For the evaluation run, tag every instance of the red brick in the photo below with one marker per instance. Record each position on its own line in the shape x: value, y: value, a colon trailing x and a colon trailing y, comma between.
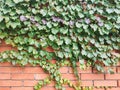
x: 92, y: 76
x: 4, y: 88
x: 40, y: 76
x: 10, y: 83
x: 47, y: 88
x: 64, y: 69
x: 117, y: 88
x: 69, y: 76
x: 33, y: 70
x: 118, y: 69
x: 68, y: 88
x: 16, y: 69
x: 22, y: 88
x: 5, y: 64
x: 87, y: 83
x: 11, y: 70
x: 4, y: 76
x: 22, y: 76
x: 112, y: 76
x: 119, y: 83
x: 30, y: 82
x: 5, y: 69
x: 81, y: 71
x: 98, y: 89
x: 105, y: 83
x: 6, y: 48
x: 49, y: 49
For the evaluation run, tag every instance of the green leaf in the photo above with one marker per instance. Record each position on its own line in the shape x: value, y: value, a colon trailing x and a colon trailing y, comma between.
x: 67, y: 40
x: 60, y: 54
x: 17, y: 1
x: 49, y: 25
x: 55, y: 31
x: 52, y: 38
x: 59, y: 42
x: 78, y: 25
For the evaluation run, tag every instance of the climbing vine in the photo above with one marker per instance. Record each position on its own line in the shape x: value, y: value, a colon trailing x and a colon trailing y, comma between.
x: 84, y: 31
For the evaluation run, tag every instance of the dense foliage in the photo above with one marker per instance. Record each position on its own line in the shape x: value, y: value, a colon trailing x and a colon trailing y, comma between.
x: 84, y: 31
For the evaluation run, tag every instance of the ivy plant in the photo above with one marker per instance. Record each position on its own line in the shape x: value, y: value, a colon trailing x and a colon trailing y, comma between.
x: 84, y: 31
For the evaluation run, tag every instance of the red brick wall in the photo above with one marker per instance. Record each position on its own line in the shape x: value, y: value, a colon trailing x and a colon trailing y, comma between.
x: 24, y: 78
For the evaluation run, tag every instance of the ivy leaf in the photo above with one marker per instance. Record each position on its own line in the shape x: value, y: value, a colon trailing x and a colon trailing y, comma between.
x: 10, y: 3
x: 67, y: 40
x: 17, y: 1
x: 52, y: 38
x: 60, y: 54
x: 109, y: 10
x: 1, y: 18
x: 55, y: 31
x: 64, y: 31
x: 78, y: 25
x: 83, y: 52
x: 43, y: 12
x: 49, y: 25
x: 59, y: 42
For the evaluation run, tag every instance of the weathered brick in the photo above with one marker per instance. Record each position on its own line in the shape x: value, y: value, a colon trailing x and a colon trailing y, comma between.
x: 22, y: 88
x: 117, y: 88
x: 10, y: 83
x: 5, y: 64
x: 40, y: 76
x: 47, y: 88
x: 4, y: 88
x: 98, y: 89
x: 22, y: 76
x: 33, y: 70
x: 30, y: 82
x: 119, y: 83
x: 87, y: 83
x: 92, y: 76
x: 112, y: 76
x: 6, y: 48
x: 105, y: 83
x: 118, y: 69
x: 69, y: 76
x: 64, y: 69
x: 4, y: 76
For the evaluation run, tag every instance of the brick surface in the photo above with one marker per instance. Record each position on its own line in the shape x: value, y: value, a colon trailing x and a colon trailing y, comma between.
x: 6, y: 48
x: 22, y: 88
x: 112, y: 76
x: 40, y: 76
x: 69, y: 76
x: 92, y: 76
x: 118, y: 69
x: 117, y: 88
x: 4, y: 76
x: 5, y: 88
x: 47, y: 88
x: 10, y: 83
x: 22, y: 76
x: 98, y: 89
x: 105, y: 83
x: 87, y: 83
x: 30, y: 82
x: 33, y: 70
x: 64, y: 69
x: 119, y: 83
